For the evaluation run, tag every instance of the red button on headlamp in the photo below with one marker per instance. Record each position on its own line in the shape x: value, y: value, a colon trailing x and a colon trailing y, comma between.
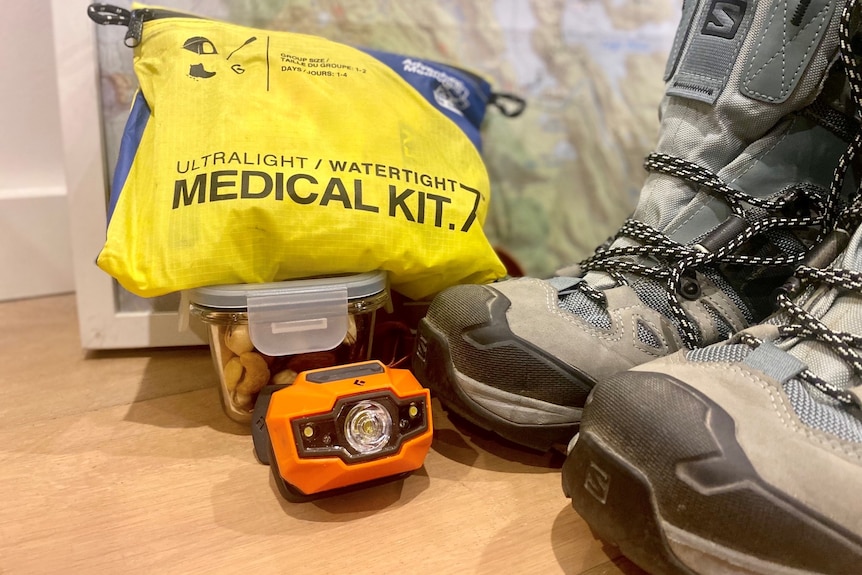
x: 342, y: 426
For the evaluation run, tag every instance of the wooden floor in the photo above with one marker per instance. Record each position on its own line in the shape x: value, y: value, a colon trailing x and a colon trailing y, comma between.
x: 122, y: 462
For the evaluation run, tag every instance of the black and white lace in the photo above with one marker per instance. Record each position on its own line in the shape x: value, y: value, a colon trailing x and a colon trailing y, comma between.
x: 659, y: 258
x: 802, y: 324
x: 799, y: 322
x: 676, y: 259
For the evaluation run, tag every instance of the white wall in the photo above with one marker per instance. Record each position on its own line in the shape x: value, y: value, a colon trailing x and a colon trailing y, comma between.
x: 35, y: 257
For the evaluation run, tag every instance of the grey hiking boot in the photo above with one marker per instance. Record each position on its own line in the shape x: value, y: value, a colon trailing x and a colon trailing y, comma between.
x: 740, y: 457
x: 743, y: 182
x: 743, y: 456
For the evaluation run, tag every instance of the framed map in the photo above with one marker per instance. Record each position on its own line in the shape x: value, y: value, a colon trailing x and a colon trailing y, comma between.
x: 563, y: 175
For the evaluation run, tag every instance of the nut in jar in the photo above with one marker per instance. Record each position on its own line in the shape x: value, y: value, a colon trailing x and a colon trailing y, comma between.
x: 243, y: 367
x: 245, y: 371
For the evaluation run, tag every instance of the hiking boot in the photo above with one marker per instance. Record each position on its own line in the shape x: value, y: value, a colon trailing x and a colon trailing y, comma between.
x: 740, y: 457
x: 743, y: 456
x: 753, y: 123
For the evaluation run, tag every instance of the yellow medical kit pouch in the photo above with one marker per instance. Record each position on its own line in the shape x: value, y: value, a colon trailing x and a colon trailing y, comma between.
x: 255, y: 156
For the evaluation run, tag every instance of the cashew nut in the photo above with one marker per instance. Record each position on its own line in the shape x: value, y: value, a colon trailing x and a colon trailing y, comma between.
x: 256, y: 373
x: 350, y: 337
x: 284, y: 377
x: 243, y: 401
x: 233, y: 370
x: 237, y: 339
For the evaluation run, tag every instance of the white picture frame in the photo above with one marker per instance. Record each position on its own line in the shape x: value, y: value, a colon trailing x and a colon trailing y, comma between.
x: 103, y: 322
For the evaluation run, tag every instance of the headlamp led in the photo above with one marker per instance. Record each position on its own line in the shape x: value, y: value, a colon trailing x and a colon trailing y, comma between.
x: 341, y: 426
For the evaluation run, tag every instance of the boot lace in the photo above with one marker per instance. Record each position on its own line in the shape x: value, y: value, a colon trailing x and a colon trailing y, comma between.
x: 802, y: 324
x: 679, y: 260
x: 799, y: 322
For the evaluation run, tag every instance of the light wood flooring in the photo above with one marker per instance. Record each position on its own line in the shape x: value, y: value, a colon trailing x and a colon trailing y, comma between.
x: 122, y: 462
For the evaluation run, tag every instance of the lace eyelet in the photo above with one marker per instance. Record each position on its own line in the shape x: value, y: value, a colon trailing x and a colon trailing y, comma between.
x: 689, y: 288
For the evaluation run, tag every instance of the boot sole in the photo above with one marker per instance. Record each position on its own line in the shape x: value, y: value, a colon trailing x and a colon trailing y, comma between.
x: 433, y: 367
x: 629, y: 523
x: 621, y: 500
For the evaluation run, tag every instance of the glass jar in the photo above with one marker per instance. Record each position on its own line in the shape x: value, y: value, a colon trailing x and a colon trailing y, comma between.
x: 268, y: 333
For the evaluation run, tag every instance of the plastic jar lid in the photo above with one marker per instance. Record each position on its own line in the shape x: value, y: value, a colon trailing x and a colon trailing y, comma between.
x: 296, y: 316
x: 234, y: 297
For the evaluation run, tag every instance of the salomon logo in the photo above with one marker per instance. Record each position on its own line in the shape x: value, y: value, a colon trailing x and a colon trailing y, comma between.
x: 724, y: 18
x: 421, y: 348
x: 597, y: 483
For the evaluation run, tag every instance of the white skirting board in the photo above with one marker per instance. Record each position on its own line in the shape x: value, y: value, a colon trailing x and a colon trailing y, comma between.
x: 35, y: 250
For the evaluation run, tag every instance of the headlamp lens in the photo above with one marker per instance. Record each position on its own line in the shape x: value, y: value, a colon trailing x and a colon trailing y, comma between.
x: 368, y: 427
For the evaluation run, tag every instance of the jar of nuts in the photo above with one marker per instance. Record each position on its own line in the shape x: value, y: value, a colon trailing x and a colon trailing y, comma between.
x: 268, y: 333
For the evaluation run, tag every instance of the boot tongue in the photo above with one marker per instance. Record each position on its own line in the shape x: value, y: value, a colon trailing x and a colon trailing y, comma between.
x: 736, y: 69
x: 728, y: 89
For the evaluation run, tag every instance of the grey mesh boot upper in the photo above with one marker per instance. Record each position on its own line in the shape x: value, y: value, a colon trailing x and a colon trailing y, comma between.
x: 742, y: 183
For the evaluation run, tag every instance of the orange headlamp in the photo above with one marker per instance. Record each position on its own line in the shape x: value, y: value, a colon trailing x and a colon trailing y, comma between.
x: 341, y: 426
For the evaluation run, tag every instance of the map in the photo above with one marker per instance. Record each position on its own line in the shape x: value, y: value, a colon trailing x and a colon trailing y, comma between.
x: 566, y: 172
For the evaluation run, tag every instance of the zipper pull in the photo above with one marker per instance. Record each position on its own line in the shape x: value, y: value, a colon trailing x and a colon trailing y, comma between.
x: 136, y: 27
x: 114, y: 15
x: 106, y: 14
